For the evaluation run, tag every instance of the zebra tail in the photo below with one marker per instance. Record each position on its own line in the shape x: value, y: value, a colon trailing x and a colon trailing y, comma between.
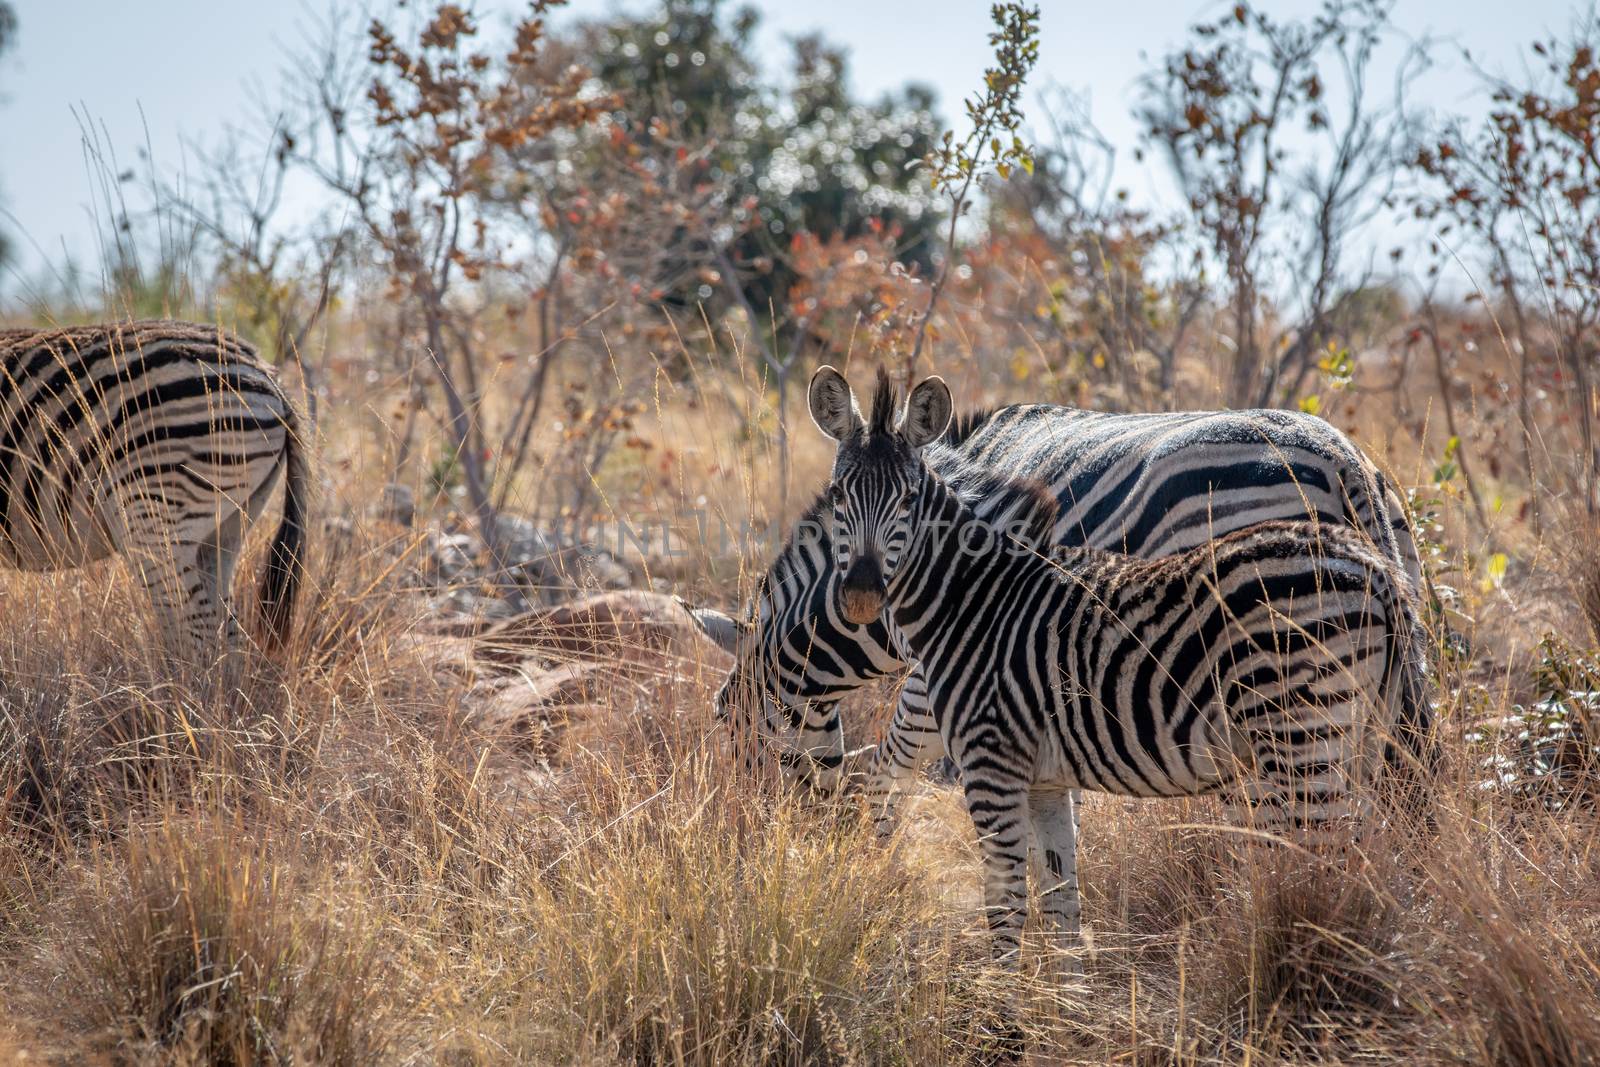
x: 1413, y: 755
x: 1416, y: 709
x: 280, y: 583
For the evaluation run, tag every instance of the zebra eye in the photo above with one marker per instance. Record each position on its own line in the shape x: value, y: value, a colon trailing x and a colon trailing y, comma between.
x: 908, y: 496
x: 836, y: 493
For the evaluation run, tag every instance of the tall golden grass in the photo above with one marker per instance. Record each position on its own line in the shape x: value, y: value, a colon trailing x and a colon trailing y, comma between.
x: 342, y: 861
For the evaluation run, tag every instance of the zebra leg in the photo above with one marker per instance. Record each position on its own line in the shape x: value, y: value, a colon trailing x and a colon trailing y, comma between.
x: 911, y: 743
x: 158, y: 574
x: 998, y: 806
x: 1302, y: 781
x: 819, y: 756
x: 213, y: 624
x: 1054, y: 815
x: 187, y: 575
x: 146, y: 539
x: 211, y: 603
x: 917, y: 707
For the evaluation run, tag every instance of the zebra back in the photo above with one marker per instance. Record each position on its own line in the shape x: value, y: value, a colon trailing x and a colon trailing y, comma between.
x: 1269, y: 647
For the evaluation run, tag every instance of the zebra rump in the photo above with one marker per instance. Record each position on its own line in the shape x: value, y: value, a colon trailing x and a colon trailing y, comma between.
x: 157, y: 441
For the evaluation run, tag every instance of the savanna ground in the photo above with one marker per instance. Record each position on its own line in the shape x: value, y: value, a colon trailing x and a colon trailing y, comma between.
x: 444, y: 827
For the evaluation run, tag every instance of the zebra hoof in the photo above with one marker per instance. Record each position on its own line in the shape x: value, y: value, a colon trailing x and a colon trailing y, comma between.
x: 943, y: 771
x: 1003, y: 1042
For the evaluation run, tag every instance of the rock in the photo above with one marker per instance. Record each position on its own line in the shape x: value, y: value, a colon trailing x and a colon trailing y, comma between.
x: 448, y: 558
x: 556, y: 561
x: 397, y: 504
x: 577, y: 682
x: 446, y: 657
x: 628, y: 627
x: 533, y: 707
x: 453, y: 569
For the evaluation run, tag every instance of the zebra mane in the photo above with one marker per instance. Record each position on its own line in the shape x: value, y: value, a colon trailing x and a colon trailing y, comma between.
x: 964, y: 425
x: 884, y: 402
x: 1012, y: 503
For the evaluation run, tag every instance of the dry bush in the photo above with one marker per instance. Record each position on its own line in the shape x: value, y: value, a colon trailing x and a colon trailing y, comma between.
x: 153, y: 824
x: 705, y: 930
x: 1520, y: 940
x: 1577, y: 540
x: 338, y: 860
x: 199, y: 941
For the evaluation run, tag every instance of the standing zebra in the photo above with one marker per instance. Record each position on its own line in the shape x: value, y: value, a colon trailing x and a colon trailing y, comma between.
x: 158, y: 441
x: 1277, y: 665
x: 1147, y: 485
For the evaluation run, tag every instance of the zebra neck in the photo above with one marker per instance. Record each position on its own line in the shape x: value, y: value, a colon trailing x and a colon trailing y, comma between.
x: 952, y: 553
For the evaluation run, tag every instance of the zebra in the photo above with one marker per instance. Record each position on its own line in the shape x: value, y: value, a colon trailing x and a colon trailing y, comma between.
x: 1279, y: 665
x: 157, y: 441
x: 1146, y: 484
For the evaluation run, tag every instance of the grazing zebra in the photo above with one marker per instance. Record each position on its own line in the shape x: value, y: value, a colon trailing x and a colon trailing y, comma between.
x: 158, y: 441
x: 1148, y: 485
x: 1277, y: 665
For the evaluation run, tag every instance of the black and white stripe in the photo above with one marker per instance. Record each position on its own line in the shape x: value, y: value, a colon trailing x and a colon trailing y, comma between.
x: 1148, y: 485
x: 157, y: 441
x: 1279, y: 665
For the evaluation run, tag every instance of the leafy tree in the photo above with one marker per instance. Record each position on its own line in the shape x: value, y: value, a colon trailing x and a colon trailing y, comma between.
x: 413, y: 163
x: 1123, y: 286
x: 803, y: 157
x: 992, y: 141
x: 1281, y: 153
x: 1524, y: 188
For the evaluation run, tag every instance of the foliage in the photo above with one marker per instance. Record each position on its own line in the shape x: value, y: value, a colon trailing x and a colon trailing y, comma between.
x: 799, y: 156
x: 1522, y: 187
x: 1550, y: 748
x: 1226, y: 111
x: 995, y: 115
x: 1104, y: 295
x: 992, y: 142
x: 415, y: 165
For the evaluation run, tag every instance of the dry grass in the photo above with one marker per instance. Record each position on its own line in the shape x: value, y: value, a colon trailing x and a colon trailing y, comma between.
x: 340, y: 862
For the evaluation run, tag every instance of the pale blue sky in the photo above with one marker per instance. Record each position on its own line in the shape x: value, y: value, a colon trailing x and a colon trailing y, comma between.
x: 177, y: 69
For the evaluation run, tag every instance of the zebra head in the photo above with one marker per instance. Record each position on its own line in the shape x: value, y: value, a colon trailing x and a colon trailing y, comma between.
x: 877, y: 474
x: 804, y: 737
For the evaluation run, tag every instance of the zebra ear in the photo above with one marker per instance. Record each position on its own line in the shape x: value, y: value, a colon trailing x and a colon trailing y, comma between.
x: 724, y: 630
x: 833, y: 405
x: 927, y: 412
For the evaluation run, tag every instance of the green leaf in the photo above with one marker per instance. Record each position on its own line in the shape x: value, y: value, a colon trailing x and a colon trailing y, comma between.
x: 1311, y: 405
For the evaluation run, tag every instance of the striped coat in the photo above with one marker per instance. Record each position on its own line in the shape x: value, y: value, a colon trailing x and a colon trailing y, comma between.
x: 1280, y: 665
x: 157, y: 441
x: 1148, y: 485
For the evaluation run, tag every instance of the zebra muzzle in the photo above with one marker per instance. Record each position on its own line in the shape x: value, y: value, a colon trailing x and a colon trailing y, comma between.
x: 862, y: 591
x: 861, y: 605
